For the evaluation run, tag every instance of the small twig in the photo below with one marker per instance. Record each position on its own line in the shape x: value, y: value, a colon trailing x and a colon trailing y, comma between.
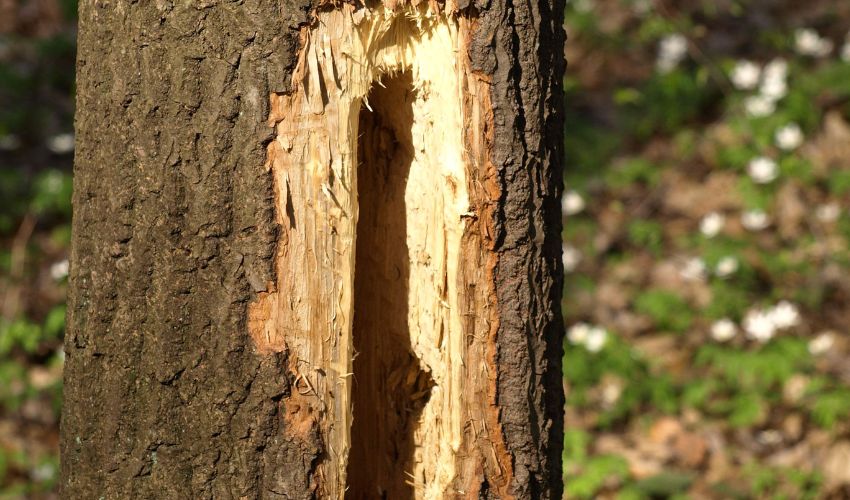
x: 18, y: 257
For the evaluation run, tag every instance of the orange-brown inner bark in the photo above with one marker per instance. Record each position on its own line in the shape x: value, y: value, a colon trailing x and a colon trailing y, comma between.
x: 390, y: 386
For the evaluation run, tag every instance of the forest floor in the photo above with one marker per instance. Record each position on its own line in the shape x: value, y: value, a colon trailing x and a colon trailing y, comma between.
x: 707, y: 220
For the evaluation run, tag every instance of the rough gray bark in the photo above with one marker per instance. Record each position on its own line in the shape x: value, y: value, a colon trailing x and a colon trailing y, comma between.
x: 174, y: 234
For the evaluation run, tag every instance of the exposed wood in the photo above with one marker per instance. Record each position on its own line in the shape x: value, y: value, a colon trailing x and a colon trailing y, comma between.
x: 423, y: 147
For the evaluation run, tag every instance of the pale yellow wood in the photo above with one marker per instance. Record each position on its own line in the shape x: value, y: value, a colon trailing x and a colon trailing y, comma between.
x: 309, y: 311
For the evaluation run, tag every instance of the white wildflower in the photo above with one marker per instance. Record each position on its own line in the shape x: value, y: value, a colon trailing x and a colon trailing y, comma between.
x: 776, y: 70
x: 762, y: 170
x: 770, y: 437
x: 759, y: 325
x: 9, y: 142
x: 571, y: 257
x: 571, y: 203
x: 774, y: 85
x: 762, y: 324
x: 822, y: 343
x: 61, y: 144
x: 52, y: 181
x: 596, y: 338
x: 828, y: 212
x: 592, y: 337
x: 723, y: 330
x: 809, y: 43
x: 726, y: 266
x: 693, y: 269
x: 611, y: 393
x: 59, y: 270
x: 671, y: 51
x: 789, y: 137
x: 784, y: 315
x: 755, y: 220
x: 773, y: 89
x: 746, y: 75
x: 845, y: 50
x: 758, y: 106
x: 42, y: 473
x: 577, y: 334
x: 711, y: 225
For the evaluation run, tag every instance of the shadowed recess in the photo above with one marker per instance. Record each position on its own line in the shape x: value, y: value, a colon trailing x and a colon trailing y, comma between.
x: 390, y: 387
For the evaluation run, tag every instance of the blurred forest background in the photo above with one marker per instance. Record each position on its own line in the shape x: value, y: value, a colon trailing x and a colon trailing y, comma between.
x: 706, y: 246
x: 37, y: 51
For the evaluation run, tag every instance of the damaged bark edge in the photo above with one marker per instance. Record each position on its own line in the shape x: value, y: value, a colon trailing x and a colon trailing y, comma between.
x: 343, y: 53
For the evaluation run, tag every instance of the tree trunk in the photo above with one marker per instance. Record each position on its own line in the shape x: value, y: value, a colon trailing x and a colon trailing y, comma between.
x: 316, y: 251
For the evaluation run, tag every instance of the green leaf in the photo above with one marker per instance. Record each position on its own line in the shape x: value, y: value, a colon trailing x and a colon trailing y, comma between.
x: 665, y: 484
x: 54, y: 323
x: 668, y: 310
x: 831, y: 407
x: 647, y: 234
x: 747, y: 409
x: 595, y: 474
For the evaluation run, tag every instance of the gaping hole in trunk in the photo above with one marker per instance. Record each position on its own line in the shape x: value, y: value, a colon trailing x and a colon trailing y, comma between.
x: 390, y: 386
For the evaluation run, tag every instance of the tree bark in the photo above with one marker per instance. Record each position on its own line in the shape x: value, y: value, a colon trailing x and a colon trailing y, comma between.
x: 269, y: 241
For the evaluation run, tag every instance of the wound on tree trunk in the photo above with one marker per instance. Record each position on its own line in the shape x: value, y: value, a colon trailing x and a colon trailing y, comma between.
x: 381, y: 169
x: 363, y: 303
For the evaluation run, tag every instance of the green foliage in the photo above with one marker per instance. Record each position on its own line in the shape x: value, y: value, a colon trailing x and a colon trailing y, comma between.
x: 47, y: 195
x: 29, y: 336
x: 728, y: 300
x: 592, y: 148
x: 647, y: 234
x: 668, y: 310
x: 760, y: 369
x: 631, y: 139
x: 12, y: 384
x: 585, y: 370
x: 586, y: 475
x: 839, y: 182
x: 69, y: 9
x: 667, y: 103
x: 51, y: 193
x: 43, y: 469
x: 830, y: 407
x: 698, y: 393
x: 794, y: 167
x: 594, y: 474
x: 746, y: 409
x: 19, y: 333
x: 630, y: 172
x: 664, y: 485
x: 735, y: 157
x: 54, y: 323
x: 782, y: 482
x: 13, y: 193
x: 745, y: 382
x: 763, y: 479
x: 754, y: 196
x: 575, y: 446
